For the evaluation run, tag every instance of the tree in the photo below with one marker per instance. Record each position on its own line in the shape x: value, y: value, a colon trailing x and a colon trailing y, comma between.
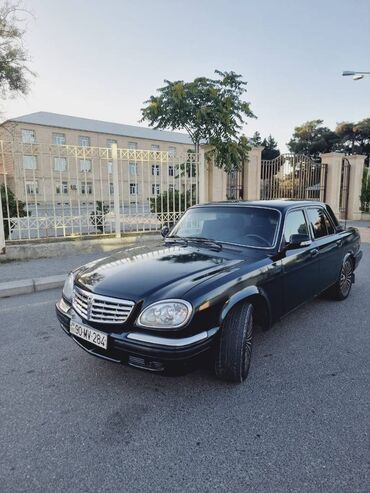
x: 170, y: 201
x: 15, y: 207
x: 312, y: 138
x: 209, y: 110
x: 365, y: 191
x: 256, y: 139
x: 14, y: 71
x: 270, y: 150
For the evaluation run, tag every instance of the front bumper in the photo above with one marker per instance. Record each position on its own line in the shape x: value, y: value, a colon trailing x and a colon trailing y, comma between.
x: 142, y: 350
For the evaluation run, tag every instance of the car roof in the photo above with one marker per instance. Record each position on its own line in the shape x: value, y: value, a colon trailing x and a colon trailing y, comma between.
x: 282, y: 204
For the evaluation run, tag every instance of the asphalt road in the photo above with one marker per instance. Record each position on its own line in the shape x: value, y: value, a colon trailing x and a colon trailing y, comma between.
x: 70, y: 422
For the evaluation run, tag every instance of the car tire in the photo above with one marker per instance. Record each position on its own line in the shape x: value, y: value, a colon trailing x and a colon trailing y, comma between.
x: 235, y: 348
x: 341, y: 289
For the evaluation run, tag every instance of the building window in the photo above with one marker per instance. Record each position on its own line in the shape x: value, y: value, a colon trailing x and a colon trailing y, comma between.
x: 172, y: 151
x: 28, y: 136
x: 171, y: 188
x: 170, y: 170
x: 29, y: 162
x: 84, y: 141
x: 156, y: 189
x: 154, y: 147
x: 133, y: 169
x: 111, y: 188
x: 32, y: 188
x: 59, y: 139
x: 85, y: 165
x: 132, y: 146
x: 133, y: 188
x: 62, y: 187
x: 60, y: 164
x: 86, y: 188
x: 155, y: 169
x: 110, y: 142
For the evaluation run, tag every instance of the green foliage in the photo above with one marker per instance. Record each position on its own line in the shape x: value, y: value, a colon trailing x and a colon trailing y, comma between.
x: 354, y: 137
x: 209, y: 110
x: 16, y: 208
x: 270, y: 150
x: 312, y: 138
x: 170, y: 201
x: 365, y: 191
x: 256, y: 139
x: 97, y: 217
x: 14, y: 72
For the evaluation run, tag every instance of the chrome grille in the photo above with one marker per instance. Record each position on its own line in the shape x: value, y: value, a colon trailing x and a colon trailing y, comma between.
x: 97, y: 308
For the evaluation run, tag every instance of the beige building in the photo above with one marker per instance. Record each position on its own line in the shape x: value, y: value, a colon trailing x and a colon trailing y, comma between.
x: 57, y: 158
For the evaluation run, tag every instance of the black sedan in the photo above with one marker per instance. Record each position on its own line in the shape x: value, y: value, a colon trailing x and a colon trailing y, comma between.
x: 224, y: 268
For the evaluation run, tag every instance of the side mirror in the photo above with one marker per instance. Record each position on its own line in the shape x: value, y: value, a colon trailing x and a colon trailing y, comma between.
x: 297, y: 241
x: 164, y: 231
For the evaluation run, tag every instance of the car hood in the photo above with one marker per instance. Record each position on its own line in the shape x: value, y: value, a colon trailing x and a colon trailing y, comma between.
x: 167, y: 271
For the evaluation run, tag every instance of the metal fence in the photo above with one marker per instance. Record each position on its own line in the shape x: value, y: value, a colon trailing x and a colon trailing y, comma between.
x: 293, y: 176
x: 52, y: 190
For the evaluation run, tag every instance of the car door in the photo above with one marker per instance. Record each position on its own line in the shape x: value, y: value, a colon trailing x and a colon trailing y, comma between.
x: 300, y: 266
x: 329, y: 245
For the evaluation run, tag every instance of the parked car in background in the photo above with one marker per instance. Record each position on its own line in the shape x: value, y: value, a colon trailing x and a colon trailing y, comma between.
x: 223, y: 269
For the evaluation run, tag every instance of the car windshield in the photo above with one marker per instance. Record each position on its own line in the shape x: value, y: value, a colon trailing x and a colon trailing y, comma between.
x: 248, y: 226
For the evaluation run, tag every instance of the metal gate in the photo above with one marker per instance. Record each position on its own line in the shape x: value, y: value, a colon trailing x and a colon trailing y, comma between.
x: 293, y: 176
x: 344, y: 188
x: 234, y: 184
x: 49, y: 190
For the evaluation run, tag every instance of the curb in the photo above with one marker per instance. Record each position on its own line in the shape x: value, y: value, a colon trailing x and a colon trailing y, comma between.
x: 27, y: 286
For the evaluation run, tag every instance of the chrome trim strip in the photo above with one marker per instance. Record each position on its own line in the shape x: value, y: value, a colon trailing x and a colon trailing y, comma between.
x: 166, y: 341
x: 63, y: 306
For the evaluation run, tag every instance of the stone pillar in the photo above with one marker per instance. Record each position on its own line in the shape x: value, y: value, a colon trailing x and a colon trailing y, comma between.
x: 333, y: 179
x: 252, y: 174
x: 217, y: 180
x: 357, y: 163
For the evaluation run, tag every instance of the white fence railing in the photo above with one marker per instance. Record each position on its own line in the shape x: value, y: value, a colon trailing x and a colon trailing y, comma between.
x: 62, y: 190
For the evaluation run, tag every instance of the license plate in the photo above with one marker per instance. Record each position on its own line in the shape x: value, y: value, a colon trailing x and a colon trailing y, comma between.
x: 88, y: 334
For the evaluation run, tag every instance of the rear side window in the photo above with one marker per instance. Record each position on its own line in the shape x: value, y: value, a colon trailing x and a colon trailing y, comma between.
x: 320, y: 223
x: 295, y: 224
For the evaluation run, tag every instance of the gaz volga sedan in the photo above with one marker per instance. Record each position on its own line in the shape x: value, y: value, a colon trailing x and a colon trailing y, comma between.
x: 223, y: 269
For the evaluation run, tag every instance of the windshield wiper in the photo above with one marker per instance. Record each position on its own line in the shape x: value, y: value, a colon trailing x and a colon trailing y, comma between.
x: 176, y: 239
x: 206, y: 241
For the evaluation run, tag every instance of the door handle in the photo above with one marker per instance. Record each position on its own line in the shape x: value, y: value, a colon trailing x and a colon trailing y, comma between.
x: 339, y: 243
x: 314, y: 252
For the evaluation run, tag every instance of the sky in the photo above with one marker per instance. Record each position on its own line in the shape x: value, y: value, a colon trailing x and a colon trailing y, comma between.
x: 102, y: 59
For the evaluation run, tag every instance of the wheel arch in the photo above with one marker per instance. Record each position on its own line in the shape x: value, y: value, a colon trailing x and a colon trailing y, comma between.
x: 260, y: 302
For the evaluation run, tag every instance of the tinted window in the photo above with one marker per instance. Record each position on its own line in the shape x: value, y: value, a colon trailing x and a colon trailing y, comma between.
x: 320, y: 223
x: 295, y: 224
x: 249, y: 226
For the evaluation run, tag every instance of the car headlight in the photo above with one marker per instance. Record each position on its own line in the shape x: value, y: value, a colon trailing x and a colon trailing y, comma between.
x: 165, y: 314
x: 68, y: 287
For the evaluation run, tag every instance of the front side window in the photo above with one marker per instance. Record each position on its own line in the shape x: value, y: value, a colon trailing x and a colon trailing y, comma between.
x: 60, y: 164
x: 28, y: 136
x: 320, y: 223
x: 248, y: 226
x: 29, y: 162
x: 85, y: 165
x: 295, y: 224
x: 58, y: 138
x: 84, y: 141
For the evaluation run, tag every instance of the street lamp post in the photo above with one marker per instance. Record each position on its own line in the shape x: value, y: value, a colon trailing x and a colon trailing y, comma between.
x: 356, y: 75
